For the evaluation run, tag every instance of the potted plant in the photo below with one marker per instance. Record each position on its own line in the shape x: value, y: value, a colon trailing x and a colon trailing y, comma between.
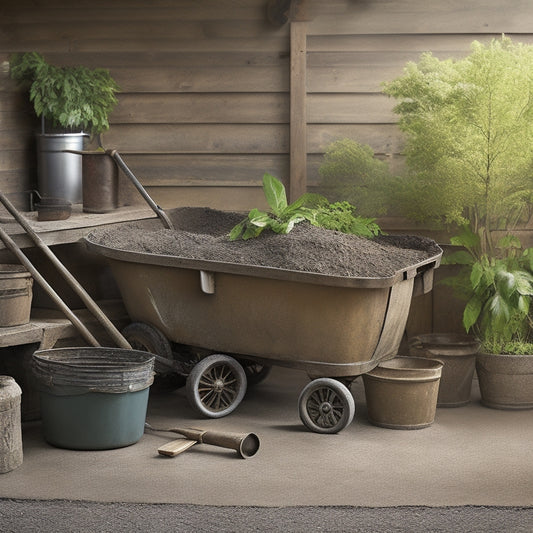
x: 73, y: 103
x: 469, y: 126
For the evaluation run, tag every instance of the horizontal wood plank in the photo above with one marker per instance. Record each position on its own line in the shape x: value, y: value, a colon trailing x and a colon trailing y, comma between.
x: 242, y: 58
x: 224, y: 198
x: 421, y: 16
x: 350, y: 108
x: 218, y: 79
x: 80, y: 29
x: 244, y: 138
x: 160, y: 43
x: 205, y: 170
x: 199, y: 138
x: 205, y: 108
x: 454, y: 43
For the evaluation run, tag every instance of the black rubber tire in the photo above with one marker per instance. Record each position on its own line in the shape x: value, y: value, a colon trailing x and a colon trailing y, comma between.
x: 216, y: 385
x: 148, y: 338
x: 326, y: 406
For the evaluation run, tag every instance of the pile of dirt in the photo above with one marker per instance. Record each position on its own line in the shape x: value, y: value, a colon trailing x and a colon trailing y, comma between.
x: 202, y: 233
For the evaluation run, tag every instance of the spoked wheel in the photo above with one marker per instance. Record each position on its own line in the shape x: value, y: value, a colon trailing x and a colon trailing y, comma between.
x: 145, y: 337
x: 216, y: 385
x: 326, y: 406
x: 255, y: 372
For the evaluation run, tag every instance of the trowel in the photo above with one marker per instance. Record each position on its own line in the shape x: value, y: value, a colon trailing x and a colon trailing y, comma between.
x: 245, y: 444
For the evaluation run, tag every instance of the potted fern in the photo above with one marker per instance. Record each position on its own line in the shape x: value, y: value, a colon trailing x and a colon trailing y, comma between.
x: 469, y: 151
x: 73, y: 104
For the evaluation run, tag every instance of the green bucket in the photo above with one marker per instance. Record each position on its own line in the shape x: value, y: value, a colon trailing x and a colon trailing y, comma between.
x: 93, y: 398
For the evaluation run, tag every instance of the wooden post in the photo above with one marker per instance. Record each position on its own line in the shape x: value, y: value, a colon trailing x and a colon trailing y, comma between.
x: 298, y: 116
x: 279, y: 12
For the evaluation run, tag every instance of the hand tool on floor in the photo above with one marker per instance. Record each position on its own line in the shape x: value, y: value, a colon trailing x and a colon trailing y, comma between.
x: 245, y: 444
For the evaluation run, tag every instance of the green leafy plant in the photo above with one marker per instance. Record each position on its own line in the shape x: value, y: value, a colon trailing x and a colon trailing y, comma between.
x: 340, y: 216
x: 72, y: 98
x: 499, y: 289
x: 311, y: 207
x: 469, y: 126
x: 351, y: 172
x: 469, y: 153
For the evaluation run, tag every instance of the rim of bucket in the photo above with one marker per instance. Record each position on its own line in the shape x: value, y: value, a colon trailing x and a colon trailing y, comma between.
x: 11, y: 271
x: 94, y: 368
x: 424, y: 369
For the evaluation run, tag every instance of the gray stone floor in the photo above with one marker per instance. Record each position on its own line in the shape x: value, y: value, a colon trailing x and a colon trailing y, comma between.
x: 471, y: 455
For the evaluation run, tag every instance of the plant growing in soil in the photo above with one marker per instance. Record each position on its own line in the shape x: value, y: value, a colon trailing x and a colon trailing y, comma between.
x: 311, y: 207
x: 469, y: 126
x: 500, y: 290
x: 72, y: 98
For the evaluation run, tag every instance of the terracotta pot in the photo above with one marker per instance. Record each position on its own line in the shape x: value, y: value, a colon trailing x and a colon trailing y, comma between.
x: 100, y: 182
x: 402, y: 393
x: 505, y: 381
x: 457, y: 352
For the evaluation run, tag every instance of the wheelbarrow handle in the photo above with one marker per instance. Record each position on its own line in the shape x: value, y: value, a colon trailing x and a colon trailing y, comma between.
x: 76, y: 322
x: 157, y: 210
x: 93, y: 307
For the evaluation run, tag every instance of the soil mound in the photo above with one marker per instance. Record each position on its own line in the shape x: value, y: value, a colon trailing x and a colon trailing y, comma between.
x: 202, y: 233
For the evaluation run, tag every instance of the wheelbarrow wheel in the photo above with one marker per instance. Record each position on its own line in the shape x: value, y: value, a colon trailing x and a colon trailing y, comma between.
x: 326, y: 406
x: 216, y: 385
x: 145, y: 337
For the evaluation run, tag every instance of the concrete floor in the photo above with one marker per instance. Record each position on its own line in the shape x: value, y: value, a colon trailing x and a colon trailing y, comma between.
x: 471, y: 455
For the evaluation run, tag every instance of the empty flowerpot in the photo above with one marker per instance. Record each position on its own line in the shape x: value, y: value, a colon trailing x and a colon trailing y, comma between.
x: 402, y: 393
x: 457, y: 352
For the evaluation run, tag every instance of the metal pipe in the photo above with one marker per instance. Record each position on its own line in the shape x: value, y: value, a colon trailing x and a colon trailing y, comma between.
x: 71, y: 280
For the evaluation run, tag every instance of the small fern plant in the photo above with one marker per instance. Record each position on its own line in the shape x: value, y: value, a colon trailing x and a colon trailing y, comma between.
x: 71, y: 98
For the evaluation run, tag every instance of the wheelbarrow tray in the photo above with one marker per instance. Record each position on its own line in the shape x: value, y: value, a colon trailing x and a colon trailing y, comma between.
x: 327, y: 326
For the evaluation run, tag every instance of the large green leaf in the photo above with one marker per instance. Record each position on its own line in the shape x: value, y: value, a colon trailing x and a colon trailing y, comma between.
x: 524, y: 283
x: 275, y: 194
x: 476, y: 275
x: 471, y: 312
x: 258, y: 218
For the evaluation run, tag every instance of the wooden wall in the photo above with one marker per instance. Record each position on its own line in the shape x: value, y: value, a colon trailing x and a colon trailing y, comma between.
x: 204, y: 107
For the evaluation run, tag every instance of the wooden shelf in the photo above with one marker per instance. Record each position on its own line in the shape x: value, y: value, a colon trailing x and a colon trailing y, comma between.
x: 77, y: 226
x: 47, y: 326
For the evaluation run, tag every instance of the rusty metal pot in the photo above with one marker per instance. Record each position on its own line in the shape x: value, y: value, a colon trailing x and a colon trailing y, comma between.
x: 402, y: 393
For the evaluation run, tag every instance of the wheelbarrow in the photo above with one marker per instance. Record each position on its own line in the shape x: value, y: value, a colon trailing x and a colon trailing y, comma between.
x: 334, y: 328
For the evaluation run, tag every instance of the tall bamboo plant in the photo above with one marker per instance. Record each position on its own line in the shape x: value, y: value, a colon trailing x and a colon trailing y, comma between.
x: 469, y: 151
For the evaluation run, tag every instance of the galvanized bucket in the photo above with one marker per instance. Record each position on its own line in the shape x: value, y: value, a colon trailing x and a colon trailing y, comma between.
x: 60, y: 172
x: 15, y: 295
x: 93, y: 398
